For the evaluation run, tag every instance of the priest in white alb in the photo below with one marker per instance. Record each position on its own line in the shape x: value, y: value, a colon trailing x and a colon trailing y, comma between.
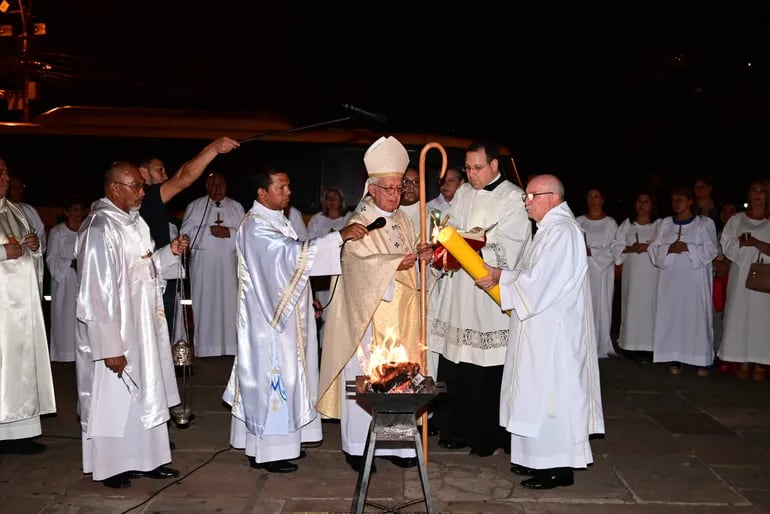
x: 273, y: 385
x: 551, y: 397
x: 210, y: 222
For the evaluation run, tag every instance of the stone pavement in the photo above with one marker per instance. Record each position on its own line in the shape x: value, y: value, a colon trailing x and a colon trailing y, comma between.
x: 673, y: 445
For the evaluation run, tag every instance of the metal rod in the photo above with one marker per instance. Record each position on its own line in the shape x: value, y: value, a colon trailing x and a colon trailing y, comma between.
x: 424, y: 279
x: 295, y: 129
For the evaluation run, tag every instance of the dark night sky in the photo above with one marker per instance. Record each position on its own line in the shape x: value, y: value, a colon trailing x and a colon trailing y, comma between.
x: 612, y: 91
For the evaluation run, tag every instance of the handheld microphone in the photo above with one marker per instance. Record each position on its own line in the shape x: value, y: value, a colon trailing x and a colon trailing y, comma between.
x: 379, y: 118
x: 378, y: 223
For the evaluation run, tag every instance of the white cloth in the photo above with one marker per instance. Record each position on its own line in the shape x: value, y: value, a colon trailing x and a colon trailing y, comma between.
x: 298, y: 224
x: 551, y: 396
x: 413, y: 211
x: 601, y: 275
x: 213, y: 274
x: 36, y: 223
x: 638, y: 286
x: 26, y: 384
x: 320, y: 224
x: 439, y: 204
x: 464, y: 323
x: 120, y: 312
x: 684, y: 330
x: 64, y: 291
x: 276, y: 331
x: 747, y: 312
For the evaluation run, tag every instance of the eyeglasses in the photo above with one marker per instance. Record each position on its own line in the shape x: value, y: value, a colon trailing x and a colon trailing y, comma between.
x: 136, y: 187
x: 391, y: 190
x: 476, y: 168
x: 531, y: 196
x: 410, y: 183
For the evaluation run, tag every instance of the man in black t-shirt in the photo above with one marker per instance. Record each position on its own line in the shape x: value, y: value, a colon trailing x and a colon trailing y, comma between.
x: 161, y: 189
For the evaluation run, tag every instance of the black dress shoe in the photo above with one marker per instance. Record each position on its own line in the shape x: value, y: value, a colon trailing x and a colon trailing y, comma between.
x: 119, y: 481
x: 274, y: 466
x: 523, y: 470
x: 21, y: 447
x: 452, y: 444
x: 311, y: 444
x: 483, y: 452
x: 402, y: 462
x: 161, y: 472
x: 550, y: 478
x: 302, y: 455
x: 356, y: 462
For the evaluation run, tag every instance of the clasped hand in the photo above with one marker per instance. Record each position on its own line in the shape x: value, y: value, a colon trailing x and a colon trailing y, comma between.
x: 491, y: 280
x: 180, y: 244
x: 424, y: 253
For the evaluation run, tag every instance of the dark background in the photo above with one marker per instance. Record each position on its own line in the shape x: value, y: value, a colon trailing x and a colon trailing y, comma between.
x: 610, y: 95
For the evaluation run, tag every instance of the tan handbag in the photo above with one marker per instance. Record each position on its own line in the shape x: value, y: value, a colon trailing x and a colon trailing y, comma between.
x: 758, y: 278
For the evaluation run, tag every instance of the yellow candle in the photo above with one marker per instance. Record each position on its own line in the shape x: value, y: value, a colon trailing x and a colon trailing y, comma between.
x: 468, y: 259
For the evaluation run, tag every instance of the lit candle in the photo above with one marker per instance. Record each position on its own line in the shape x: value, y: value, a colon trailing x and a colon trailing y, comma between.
x: 467, y: 257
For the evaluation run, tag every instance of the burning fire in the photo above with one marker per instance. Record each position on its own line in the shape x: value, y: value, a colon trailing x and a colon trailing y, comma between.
x: 381, y: 353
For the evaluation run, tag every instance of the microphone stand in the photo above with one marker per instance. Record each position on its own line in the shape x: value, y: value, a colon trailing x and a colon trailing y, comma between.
x: 295, y: 129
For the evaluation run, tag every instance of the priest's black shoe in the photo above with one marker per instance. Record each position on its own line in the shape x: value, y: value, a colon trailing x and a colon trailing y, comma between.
x: 302, y: 455
x: 119, y: 481
x: 274, y: 466
x: 452, y: 444
x: 161, y: 472
x: 21, y: 447
x: 550, y: 478
x: 311, y: 444
x: 402, y: 462
x: 523, y: 470
x: 356, y: 462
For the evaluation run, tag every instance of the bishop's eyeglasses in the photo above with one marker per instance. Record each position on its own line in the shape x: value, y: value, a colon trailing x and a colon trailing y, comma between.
x: 531, y: 196
x: 391, y: 190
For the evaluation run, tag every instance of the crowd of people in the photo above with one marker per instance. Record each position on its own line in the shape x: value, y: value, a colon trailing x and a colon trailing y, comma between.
x: 306, y: 308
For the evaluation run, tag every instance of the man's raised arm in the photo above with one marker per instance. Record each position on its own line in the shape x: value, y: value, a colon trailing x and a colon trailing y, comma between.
x: 194, y: 168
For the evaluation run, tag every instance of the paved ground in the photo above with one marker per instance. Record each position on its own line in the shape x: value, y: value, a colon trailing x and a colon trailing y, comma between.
x: 673, y: 445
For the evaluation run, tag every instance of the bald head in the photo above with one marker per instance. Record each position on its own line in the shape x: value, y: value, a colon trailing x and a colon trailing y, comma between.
x: 124, y: 186
x: 547, y: 192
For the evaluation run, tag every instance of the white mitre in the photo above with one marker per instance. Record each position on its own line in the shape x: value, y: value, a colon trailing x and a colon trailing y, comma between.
x: 386, y: 156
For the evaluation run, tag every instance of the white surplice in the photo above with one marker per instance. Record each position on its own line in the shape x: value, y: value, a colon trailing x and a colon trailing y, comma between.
x: 746, y: 335
x: 551, y: 395
x: 684, y: 330
x: 213, y: 274
x: 120, y: 312
x: 639, y: 286
x: 601, y: 275
x: 64, y: 291
x: 298, y: 224
x: 276, y: 331
x: 464, y: 323
x: 26, y: 384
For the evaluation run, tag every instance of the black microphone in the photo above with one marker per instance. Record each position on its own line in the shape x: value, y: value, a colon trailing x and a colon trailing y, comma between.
x: 378, y: 223
x: 379, y: 118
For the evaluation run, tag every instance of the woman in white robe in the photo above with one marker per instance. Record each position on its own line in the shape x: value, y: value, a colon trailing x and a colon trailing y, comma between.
x: 639, y: 282
x: 746, y: 238
x: 599, y: 229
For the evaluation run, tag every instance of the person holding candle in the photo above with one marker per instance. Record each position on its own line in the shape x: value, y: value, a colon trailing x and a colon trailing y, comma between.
x: 25, y: 372
x: 465, y: 325
x: 551, y: 396
x: 683, y: 249
x: 211, y: 221
x: 374, y: 302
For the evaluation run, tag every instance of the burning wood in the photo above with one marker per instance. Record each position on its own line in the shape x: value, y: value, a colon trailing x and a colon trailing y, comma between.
x: 398, y: 377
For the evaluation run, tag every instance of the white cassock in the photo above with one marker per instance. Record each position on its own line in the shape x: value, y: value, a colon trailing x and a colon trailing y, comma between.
x: 439, y: 204
x: 747, y: 313
x: 320, y: 225
x: 684, y: 330
x: 26, y: 384
x: 601, y: 275
x: 440, y: 207
x: 64, y: 291
x: 36, y: 224
x: 639, y: 286
x: 551, y: 396
x: 298, y: 224
x: 213, y: 274
x: 273, y: 387
x: 120, y: 312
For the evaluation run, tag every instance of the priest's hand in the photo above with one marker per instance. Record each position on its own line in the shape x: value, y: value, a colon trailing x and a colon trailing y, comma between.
x: 116, y: 364
x: 31, y: 241
x: 407, y: 262
x: 353, y: 231
x: 13, y: 250
x: 491, y: 280
x: 220, y: 231
x: 425, y: 252
x: 180, y: 244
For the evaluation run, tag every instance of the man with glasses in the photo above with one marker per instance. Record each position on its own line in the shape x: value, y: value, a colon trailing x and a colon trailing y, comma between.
x: 374, y: 301
x: 551, y: 399
x: 25, y: 373
x: 465, y: 325
x: 410, y: 199
x: 125, y: 373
